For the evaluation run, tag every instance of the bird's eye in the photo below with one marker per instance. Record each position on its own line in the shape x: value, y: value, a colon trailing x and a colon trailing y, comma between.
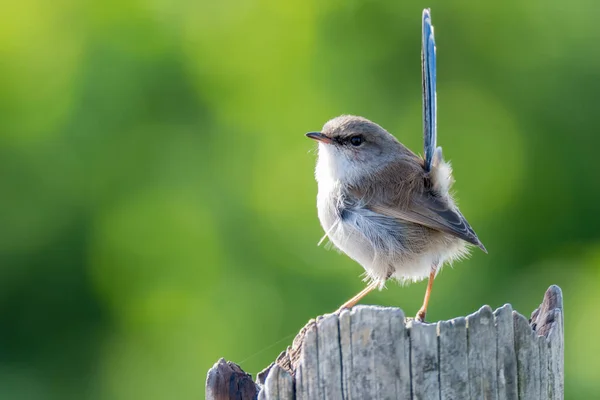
x: 356, y: 140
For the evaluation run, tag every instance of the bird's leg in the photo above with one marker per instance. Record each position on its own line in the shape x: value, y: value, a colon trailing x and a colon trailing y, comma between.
x: 352, y: 302
x: 421, y: 314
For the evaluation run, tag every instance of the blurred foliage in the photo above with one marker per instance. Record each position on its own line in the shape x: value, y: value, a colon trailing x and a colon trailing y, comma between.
x: 158, y: 200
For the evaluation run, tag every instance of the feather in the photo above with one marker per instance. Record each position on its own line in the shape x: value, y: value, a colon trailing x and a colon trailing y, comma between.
x: 404, y: 191
x: 428, y: 74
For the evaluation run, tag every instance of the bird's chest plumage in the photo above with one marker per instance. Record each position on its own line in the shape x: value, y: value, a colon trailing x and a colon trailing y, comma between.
x: 350, y: 228
x: 329, y: 199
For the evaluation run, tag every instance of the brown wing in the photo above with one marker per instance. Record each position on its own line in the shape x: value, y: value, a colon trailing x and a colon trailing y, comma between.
x: 433, y: 213
x: 402, y: 191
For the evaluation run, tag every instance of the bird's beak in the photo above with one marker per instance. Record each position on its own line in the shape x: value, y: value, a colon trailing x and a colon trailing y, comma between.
x: 318, y: 136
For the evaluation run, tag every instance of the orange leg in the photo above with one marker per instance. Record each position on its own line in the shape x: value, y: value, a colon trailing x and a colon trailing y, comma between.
x: 352, y: 302
x: 421, y: 314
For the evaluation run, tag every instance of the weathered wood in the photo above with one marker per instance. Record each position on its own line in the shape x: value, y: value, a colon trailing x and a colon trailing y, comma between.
x: 329, y: 356
x: 374, y: 353
x: 226, y: 380
x: 528, y: 359
x: 454, y: 361
x: 506, y: 358
x: 543, y: 370
x: 547, y: 321
x: 367, y: 335
x: 424, y: 361
x: 278, y: 385
x: 308, y: 371
x: 556, y: 358
x: 482, y: 355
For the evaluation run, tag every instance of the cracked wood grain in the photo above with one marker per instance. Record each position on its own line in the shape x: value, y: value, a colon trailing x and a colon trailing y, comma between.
x: 374, y: 353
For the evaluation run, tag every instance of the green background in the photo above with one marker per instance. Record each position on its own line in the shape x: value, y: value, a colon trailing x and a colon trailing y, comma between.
x: 157, y: 199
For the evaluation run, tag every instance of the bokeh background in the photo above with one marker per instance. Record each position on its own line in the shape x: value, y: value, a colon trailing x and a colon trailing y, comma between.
x: 157, y: 200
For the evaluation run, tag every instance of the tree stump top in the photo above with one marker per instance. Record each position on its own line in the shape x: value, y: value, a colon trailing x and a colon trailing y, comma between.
x: 376, y: 353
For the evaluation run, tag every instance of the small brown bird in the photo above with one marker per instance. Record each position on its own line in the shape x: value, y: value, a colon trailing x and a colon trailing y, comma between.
x: 384, y: 206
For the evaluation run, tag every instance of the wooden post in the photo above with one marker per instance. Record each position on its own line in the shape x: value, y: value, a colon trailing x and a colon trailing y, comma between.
x: 375, y: 353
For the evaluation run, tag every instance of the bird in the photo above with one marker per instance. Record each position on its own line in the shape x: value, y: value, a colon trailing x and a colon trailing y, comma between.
x: 384, y: 206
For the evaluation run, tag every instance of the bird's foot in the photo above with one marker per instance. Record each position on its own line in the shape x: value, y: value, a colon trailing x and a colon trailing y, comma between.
x: 342, y: 308
x: 420, y: 316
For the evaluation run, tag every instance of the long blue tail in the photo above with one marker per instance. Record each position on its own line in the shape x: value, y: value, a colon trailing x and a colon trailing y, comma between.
x: 429, y: 91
